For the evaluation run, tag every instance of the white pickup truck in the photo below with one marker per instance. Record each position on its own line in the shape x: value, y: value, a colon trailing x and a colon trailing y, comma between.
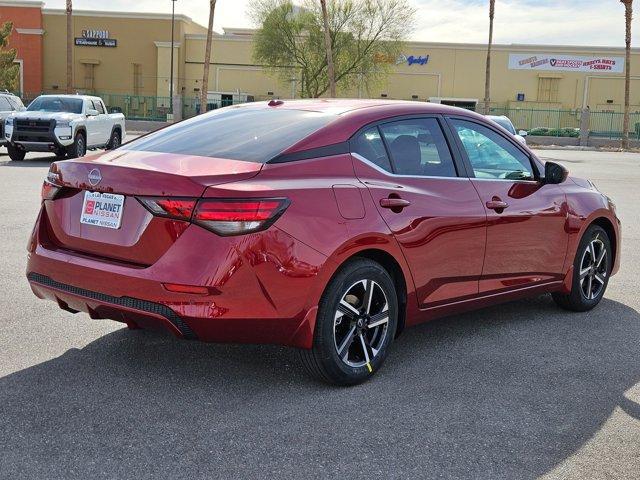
x: 66, y: 125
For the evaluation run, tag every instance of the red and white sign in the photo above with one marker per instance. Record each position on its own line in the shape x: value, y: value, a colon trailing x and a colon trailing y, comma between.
x: 565, y: 63
x: 102, y: 209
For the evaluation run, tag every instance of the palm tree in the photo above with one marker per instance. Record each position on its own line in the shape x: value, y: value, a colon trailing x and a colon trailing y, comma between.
x: 628, y: 15
x: 207, y: 60
x: 69, y: 47
x: 487, y: 81
x: 327, y: 44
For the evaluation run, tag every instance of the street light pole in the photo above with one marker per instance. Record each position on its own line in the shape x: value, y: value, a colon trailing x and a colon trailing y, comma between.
x: 173, y: 15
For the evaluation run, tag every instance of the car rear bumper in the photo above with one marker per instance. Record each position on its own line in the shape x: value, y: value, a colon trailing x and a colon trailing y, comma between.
x: 263, y: 288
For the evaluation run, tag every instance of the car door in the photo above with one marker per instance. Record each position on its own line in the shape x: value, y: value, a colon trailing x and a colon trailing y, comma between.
x: 434, y: 213
x: 92, y: 123
x: 526, y: 235
x: 104, y: 123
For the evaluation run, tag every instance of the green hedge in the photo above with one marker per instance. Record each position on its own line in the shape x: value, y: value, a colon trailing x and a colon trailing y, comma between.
x: 555, y: 132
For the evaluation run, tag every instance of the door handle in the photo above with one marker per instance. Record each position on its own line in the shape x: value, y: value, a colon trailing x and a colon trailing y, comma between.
x: 392, y: 203
x: 497, y: 204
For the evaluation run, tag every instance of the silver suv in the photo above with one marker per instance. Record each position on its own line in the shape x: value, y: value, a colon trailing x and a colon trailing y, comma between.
x: 9, y: 103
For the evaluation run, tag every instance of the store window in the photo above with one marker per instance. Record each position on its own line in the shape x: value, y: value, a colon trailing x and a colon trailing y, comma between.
x: 137, y: 78
x: 548, y: 89
x: 89, y: 75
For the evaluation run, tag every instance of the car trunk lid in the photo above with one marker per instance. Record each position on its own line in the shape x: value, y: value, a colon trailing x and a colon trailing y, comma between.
x: 141, y: 237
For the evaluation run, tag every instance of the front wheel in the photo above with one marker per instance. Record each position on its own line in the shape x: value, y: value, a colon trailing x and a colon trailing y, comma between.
x: 79, y: 146
x: 15, y: 154
x: 591, y: 268
x: 356, y: 323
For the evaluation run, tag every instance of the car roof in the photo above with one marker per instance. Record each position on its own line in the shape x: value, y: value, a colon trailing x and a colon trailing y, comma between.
x: 354, y: 114
x: 339, y: 106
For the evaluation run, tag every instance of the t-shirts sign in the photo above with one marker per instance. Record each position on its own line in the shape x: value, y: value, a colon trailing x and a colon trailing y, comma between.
x: 565, y: 63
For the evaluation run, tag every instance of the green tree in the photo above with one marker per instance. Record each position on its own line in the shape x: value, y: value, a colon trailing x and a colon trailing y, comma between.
x: 8, y: 69
x: 366, y: 38
x: 628, y: 16
x: 487, y: 78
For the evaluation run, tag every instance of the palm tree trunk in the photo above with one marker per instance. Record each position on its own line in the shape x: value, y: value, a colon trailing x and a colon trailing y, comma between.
x: 329, y: 49
x: 207, y: 60
x: 487, y: 79
x: 628, y: 14
x: 69, y: 47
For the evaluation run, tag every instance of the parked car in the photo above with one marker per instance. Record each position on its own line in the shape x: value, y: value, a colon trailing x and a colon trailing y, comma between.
x: 66, y: 125
x: 507, y: 124
x: 328, y: 225
x: 9, y: 103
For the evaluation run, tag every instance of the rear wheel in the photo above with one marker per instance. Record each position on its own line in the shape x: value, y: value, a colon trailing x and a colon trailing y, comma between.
x: 356, y: 323
x: 79, y: 146
x: 15, y: 154
x: 591, y: 269
x: 115, y: 141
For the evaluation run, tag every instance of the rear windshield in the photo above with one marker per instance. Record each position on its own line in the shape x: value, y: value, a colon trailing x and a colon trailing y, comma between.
x: 56, y: 104
x: 235, y: 133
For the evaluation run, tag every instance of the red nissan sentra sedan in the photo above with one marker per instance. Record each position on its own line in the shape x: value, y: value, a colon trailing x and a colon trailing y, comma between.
x: 328, y: 225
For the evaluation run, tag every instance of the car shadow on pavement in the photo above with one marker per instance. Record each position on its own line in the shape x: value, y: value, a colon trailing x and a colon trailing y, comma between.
x: 505, y: 392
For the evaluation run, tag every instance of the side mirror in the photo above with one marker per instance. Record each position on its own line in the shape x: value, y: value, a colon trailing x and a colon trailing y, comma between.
x: 21, y: 109
x: 523, y: 133
x: 92, y: 113
x: 554, y: 173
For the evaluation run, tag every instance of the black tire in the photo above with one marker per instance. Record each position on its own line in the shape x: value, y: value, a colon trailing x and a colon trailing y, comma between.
x: 15, y: 154
x: 339, y: 328
x: 115, y: 141
x: 79, y: 146
x: 590, y: 272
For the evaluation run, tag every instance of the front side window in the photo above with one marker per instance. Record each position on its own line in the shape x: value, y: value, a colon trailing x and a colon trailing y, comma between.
x: 490, y: 154
x: 237, y: 133
x: 56, y: 104
x: 418, y: 147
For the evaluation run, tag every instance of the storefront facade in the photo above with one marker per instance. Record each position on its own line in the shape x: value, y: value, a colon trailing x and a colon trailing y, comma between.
x: 128, y: 54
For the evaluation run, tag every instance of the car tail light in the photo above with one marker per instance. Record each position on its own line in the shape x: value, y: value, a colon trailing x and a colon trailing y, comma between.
x: 235, y: 217
x: 179, y: 208
x: 51, y: 187
x: 222, y: 216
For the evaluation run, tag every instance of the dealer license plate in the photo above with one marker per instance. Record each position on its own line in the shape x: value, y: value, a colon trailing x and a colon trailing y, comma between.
x: 102, y: 209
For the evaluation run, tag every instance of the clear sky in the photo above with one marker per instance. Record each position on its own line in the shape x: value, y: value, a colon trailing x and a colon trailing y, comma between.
x: 572, y: 22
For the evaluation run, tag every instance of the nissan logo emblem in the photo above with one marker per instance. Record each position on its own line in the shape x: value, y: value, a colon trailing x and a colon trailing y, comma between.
x: 94, y: 177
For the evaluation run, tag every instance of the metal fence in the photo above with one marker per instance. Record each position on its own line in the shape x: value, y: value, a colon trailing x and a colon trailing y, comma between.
x: 554, y: 123
x: 609, y: 124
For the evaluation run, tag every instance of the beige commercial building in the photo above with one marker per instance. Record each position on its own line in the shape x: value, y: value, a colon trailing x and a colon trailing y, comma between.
x: 128, y: 54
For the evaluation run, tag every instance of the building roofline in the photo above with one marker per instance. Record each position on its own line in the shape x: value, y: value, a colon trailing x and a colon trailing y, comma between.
x: 116, y: 14
x: 23, y: 3
x: 247, y: 33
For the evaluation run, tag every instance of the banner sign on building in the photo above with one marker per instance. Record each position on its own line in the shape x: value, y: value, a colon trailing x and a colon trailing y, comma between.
x: 565, y: 63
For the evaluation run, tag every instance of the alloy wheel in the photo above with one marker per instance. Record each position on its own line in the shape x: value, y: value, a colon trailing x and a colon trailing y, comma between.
x: 361, y: 323
x: 80, y: 149
x: 593, y: 269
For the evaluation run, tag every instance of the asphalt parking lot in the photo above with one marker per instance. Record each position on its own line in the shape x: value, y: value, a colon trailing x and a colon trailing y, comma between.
x: 522, y: 390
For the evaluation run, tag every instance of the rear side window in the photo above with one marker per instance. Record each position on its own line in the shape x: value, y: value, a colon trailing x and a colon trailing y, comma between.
x: 5, y: 106
x: 418, y: 147
x: 370, y: 146
x: 235, y: 133
x: 98, y: 106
